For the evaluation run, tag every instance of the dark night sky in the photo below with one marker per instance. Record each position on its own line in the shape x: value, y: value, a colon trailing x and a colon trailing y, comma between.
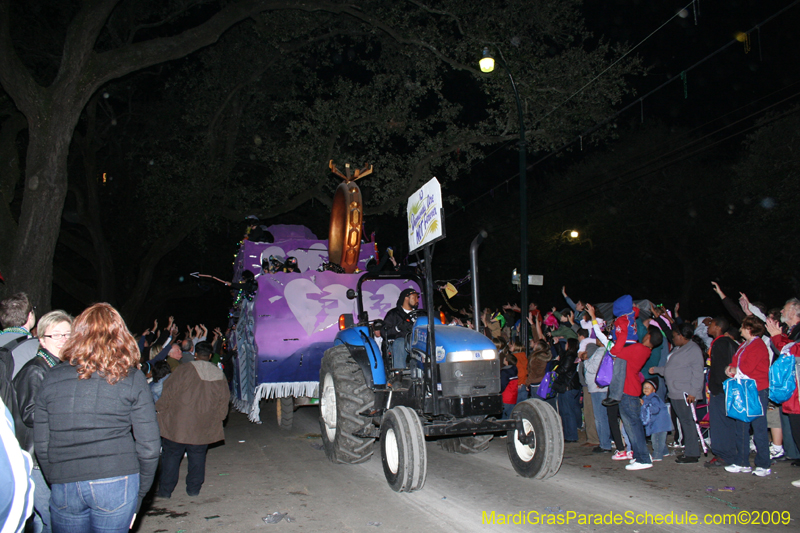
x: 723, y: 89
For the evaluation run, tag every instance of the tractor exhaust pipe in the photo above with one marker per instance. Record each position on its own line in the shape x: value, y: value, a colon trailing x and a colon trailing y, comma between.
x: 473, y: 264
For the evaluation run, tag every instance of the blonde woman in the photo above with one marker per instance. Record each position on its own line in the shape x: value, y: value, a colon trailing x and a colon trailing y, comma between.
x: 54, y: 330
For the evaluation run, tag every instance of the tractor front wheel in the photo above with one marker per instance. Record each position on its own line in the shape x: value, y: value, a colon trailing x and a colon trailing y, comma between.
x: 541, y: 457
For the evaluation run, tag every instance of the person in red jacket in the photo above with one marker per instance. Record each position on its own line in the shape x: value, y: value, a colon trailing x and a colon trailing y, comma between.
x: 752, y: 359
x: 791, y: 407
x: 508, y: 377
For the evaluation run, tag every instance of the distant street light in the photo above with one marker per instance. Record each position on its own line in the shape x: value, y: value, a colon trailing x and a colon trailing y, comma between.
x: 487, y: 65
x: 572, y: 233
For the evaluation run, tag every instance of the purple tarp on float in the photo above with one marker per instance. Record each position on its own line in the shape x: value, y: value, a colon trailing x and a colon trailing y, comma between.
x: 283, y: 333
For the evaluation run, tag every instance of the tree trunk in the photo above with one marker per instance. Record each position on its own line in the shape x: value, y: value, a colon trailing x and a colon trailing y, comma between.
x: 9, y: 176
x: 31, y: 268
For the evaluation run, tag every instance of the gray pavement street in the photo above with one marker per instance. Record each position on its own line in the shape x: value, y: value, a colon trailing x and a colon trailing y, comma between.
x: 261, y: 469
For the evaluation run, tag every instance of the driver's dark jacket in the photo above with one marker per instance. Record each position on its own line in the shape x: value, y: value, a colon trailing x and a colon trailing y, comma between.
x: 397, y: 323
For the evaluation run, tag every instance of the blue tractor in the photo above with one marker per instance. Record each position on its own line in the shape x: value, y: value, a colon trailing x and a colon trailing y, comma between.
x: 450, y: 393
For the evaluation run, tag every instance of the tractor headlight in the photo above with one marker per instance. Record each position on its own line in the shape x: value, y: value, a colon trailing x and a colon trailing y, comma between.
x: 471, y: 355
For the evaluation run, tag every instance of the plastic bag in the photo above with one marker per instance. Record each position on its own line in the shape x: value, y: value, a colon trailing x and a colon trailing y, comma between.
x: 741, y: 398
x: 545, y: 390
x: 605, y: 371
x: 782, y: 377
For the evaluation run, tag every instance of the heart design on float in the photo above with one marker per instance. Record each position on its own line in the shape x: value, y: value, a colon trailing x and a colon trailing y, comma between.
x: 304, y: 309
x: 378, y: 304
x: 312, y: 258
x: 277, y: 251
x: 335, y: 303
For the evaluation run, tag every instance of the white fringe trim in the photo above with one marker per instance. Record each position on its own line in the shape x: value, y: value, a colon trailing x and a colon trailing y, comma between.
x: 295, y: 389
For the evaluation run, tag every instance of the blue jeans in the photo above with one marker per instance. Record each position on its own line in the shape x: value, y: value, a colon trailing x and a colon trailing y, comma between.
x: 617, y: 384
x: 659, y: 441
x: 789, y: 447
x: 601, y: 419
x: 171, y: 456
x: 760, y: 437
x: 399, y: 353
x: 41, y: 503
x: 630, y: 410
x: 569, y: 407
x: 102, y: 505
x: 721, y: 429
x: 507, y: 408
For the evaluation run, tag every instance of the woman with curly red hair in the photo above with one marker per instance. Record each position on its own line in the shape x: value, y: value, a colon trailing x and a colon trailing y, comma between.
x: 95, y: 430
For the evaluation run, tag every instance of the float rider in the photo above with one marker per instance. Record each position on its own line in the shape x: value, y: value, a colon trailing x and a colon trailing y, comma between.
x: 397, y: 326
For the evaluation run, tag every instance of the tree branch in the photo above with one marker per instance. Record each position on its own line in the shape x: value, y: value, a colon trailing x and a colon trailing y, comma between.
x: 285, y: 207
x: 79, y: 246
x: 148, y: 264
x: 78, y: 290
x: 14, y: 77
x: 121, y: 61
x: 420, y: 166
x: 82, y: 34
x: 438, y: 12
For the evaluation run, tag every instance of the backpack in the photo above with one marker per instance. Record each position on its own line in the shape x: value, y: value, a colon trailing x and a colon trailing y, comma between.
x: 7, y: 370
x: 19, y: 349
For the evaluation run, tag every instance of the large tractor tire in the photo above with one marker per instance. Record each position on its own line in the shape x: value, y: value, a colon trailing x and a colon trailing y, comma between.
x: 541, y: 458
x: 466, y: 445
x: 285, y: 412
x: 403, y: 451
x: 344, y: 396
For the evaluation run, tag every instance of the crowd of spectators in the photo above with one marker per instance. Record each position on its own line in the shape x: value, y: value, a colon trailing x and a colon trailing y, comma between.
x: 669, y: 377
x: 94, y: 410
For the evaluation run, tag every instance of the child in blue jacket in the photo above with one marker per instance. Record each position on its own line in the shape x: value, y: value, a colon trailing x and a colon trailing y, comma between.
x: 656, y: 419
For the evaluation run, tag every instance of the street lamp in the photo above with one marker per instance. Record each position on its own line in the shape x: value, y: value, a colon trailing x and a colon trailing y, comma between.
x: 487, y: 65
x: 572, y: 233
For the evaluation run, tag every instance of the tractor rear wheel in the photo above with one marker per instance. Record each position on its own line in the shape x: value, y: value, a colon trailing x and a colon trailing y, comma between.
x: 467, y: 444
x: 540, y: 458
x: 344, y: 398
x: 285, y: 412
x: 403, y: 451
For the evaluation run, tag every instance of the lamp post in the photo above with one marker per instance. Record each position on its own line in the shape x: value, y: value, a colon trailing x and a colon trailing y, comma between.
x: 487, y: 65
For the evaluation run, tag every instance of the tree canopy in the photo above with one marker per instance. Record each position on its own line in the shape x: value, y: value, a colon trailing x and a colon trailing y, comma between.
x: 265, y: 95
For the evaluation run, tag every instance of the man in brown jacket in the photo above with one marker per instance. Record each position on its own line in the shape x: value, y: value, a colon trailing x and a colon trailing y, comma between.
x: 190, y: 414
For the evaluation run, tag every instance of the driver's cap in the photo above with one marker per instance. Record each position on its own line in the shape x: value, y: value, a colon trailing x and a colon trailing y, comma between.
x: 405, y: 293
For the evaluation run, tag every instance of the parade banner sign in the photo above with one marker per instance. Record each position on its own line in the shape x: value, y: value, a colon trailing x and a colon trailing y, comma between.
x: 425, y: 216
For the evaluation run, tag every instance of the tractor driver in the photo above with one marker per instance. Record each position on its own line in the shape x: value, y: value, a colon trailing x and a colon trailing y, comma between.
x: 398, y: 324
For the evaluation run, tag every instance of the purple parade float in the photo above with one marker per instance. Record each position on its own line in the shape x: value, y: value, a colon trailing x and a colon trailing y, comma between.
x: 293, y: 317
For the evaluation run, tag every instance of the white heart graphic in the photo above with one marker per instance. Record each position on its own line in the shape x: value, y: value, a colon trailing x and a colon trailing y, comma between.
x: 304, y: 309
x: 312, y: 258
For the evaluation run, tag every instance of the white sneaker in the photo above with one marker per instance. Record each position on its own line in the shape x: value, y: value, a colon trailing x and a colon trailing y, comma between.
x: 638, y: 466
x: 762, y: 472
x: 736, y: 469
x: 622, y: 456
x: 775, y: 452
x: 796, y: 483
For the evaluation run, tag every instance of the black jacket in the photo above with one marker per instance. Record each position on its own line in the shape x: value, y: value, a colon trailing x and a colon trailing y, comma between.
x: 722, y: 350
x: 567, y: 373
x: 397, y: 323
x: 84, y: 429
x: 27, y: 383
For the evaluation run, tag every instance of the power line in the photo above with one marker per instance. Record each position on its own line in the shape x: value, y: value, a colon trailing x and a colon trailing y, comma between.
x: 639, y: 100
